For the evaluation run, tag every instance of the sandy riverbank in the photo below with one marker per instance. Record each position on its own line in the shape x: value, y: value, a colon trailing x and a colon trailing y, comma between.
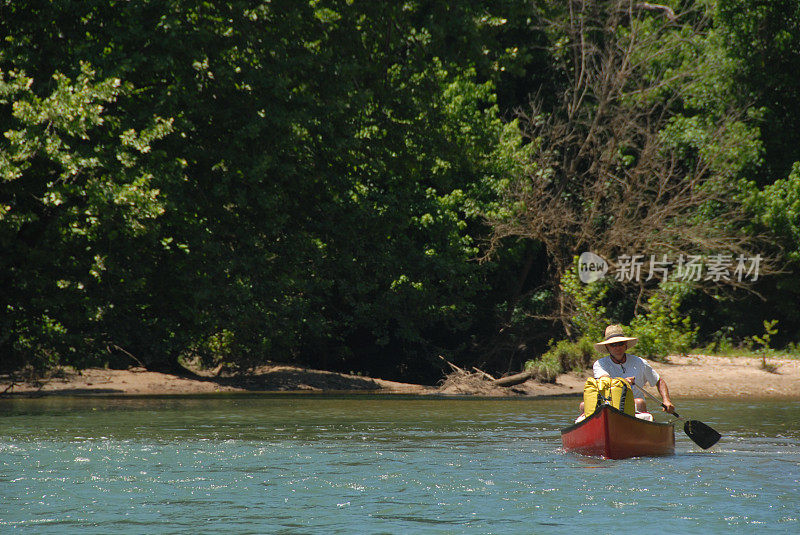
x: 694, y: 376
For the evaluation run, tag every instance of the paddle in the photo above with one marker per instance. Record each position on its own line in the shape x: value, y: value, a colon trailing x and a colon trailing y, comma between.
x: 701, y: 434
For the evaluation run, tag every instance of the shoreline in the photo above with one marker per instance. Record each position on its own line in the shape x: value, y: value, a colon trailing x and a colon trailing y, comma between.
x: 688, y: 377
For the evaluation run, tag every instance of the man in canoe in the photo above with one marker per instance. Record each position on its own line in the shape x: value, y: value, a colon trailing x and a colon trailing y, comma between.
x: 635, y: 370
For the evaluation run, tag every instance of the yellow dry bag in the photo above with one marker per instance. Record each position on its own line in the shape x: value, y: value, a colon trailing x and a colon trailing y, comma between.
x: 607, y: 390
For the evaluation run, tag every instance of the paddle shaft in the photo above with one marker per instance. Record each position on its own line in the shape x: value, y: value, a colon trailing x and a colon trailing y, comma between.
x: 700, y: 433
x: 655, y: 398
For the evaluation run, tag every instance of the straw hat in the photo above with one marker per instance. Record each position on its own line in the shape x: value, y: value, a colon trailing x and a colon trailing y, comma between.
x: 615, y: 334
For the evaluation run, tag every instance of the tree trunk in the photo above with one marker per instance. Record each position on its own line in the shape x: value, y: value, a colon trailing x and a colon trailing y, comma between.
x: 515, y: 379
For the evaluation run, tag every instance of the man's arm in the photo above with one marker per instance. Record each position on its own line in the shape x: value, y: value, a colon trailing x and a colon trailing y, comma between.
x: 665, y: 401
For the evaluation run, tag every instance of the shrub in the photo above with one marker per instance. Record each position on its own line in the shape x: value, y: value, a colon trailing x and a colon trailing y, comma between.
x: 588, y: 315
x: 663, y: 329
x: 763, y: 341
x: 565, y: 356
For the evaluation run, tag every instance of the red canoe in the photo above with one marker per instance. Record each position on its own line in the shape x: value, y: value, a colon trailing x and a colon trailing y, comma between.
x: 612, y: 434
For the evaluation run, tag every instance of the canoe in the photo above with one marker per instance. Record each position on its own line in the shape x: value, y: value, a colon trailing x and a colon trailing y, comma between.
x: 612, y: 434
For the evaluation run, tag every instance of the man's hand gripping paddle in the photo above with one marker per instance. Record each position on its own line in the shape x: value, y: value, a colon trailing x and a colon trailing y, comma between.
x: 700, y: 433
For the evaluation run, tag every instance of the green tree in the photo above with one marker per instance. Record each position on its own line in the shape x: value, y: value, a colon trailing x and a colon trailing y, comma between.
x: 762, y: 37
x: 331, y: 158
x: 645, y: 151
x: 755, y: 65
x: 78, y: 198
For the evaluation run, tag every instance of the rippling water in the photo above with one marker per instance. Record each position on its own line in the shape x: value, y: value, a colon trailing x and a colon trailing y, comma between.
x: 315, y: 464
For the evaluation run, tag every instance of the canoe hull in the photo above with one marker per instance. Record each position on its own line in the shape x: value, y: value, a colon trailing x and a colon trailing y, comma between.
x: 613, y: 434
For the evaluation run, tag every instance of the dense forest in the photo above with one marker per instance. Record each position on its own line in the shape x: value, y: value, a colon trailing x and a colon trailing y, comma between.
x: 371, y: 186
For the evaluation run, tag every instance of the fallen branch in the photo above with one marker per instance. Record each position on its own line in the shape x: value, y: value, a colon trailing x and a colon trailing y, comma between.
x: 454, y: 367
x: 139, y: 362
x: 483, y: 374
x: 479, y: 379
x: 9, y: 387
x: 515, y: 379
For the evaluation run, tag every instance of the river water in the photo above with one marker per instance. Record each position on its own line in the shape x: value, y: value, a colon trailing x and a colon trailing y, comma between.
x: 320, y: 464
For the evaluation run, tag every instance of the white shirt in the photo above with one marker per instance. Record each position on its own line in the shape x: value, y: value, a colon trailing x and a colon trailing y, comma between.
x: 634, y: 366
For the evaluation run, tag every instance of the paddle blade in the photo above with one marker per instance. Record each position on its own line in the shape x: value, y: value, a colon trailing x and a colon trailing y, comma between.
x: 701, y: 434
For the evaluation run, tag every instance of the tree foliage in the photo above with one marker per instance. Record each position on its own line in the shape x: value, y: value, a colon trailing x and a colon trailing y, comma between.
x: 319, y: 182
x: 646, y: 152
x: 762, y: 40
x: 79, y: 198
x: 325, y: 170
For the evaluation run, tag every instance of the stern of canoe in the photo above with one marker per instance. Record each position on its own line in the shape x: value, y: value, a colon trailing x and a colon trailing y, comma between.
x: 613, y: 434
